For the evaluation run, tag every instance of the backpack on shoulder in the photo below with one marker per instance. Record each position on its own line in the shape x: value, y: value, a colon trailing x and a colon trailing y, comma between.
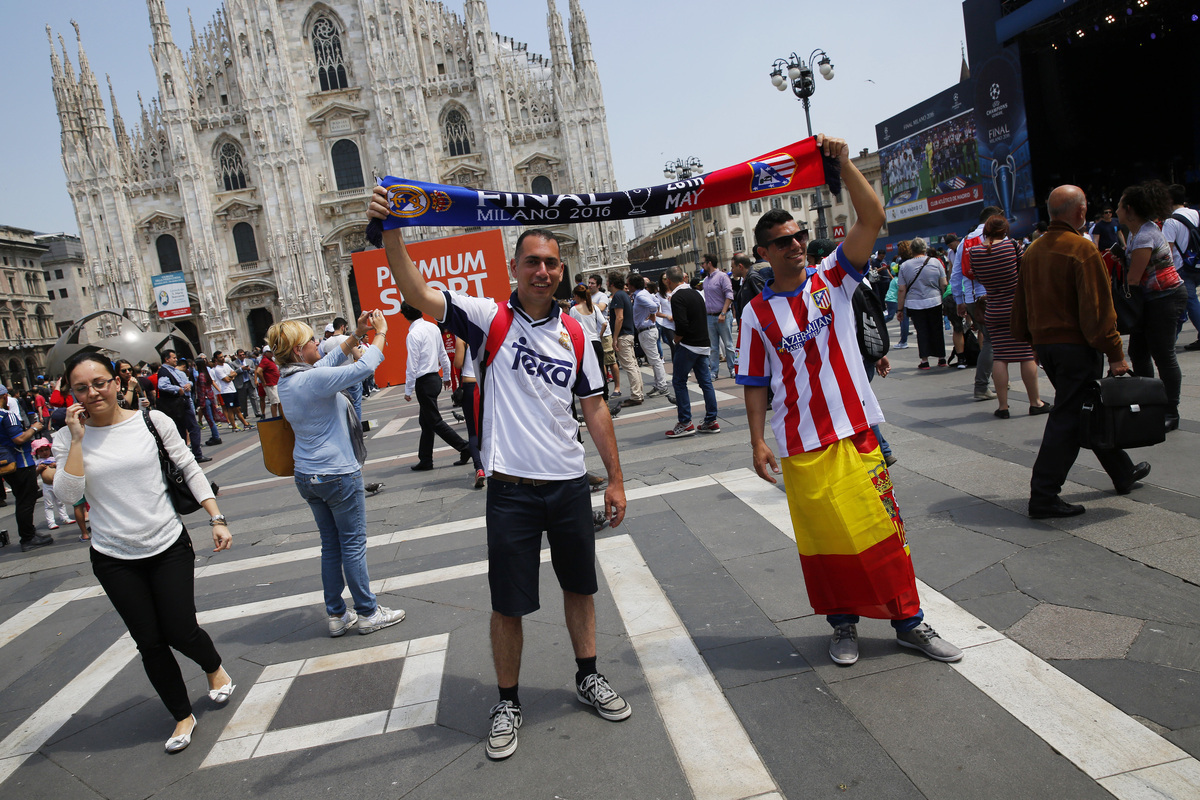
x: 1190, y: 257
x: 869, y: 316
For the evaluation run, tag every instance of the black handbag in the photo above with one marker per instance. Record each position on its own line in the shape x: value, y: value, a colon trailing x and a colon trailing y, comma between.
x: 1119, y: 413
x: 1128, y: 302
x: 177, y: 488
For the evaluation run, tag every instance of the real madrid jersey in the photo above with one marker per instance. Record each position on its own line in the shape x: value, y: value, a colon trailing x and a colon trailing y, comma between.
x: 528, y: 429
x: 803, y: 344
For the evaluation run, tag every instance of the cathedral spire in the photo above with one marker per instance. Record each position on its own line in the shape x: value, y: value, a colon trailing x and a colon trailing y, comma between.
x: 92, y: 106
x: 581, y: 40
x: 118, y: 123
x: 160, y: 24
x: 558, y: 41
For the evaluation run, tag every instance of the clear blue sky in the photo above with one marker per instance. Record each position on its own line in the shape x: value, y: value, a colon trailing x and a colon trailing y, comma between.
x: 681, y: 77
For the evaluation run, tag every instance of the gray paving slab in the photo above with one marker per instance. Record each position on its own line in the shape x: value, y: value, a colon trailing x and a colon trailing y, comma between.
x: 727, y: 526
x: 716, y: 610
x: 947, y: 748
x: 1174, y: 701
x: 813, y: 744
x: 39, y: 778
x: 326, y: 696
x: 1000, y: 610
x: 989, y: 581
x: 1003, y: 523
x: 1061, y: 632
x: 1180, y: 557
x: 754, y: 661
x: 944, y: 556
x: 668, y: 545
x: 1072, y: 572
x: 918, y: 495
x: 1175, y: 646
x: 1188, y: 739
x: 774, y: 580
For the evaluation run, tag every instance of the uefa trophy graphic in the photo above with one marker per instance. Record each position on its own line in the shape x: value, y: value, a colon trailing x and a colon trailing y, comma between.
x: 1004, y: 182
x: 639, y: 198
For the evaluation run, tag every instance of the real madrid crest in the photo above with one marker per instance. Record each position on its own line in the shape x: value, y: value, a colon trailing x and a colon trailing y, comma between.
x: 564, y: 339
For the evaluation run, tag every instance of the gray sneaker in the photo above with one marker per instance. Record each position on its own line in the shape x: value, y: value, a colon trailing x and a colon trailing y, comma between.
x: 339, y: 625
x: 382, y: 618
x: 926, y: 639
x: 595, y: 692
x: 502, y: 738
x: 843, y: 645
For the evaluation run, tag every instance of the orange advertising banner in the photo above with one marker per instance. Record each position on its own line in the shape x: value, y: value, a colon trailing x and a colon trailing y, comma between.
x: 473, y: 264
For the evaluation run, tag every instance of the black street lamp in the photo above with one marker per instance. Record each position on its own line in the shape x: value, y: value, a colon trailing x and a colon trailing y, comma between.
x: 799, y: 73
x: 681, y: 169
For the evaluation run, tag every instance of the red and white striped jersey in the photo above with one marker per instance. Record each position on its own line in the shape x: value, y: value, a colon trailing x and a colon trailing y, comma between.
x: 804, y: 345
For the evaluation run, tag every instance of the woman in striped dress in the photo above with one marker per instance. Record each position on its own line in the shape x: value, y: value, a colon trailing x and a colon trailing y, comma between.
x: 994, y: 263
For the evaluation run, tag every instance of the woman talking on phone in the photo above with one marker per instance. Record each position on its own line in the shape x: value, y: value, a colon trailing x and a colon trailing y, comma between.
x: 141, y: 552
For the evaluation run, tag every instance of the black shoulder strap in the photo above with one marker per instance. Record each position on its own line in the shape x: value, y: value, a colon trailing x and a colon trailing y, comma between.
x: 1193, y: 233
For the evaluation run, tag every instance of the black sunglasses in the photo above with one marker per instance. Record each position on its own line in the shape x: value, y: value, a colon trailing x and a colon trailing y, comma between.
x: 799, y: 237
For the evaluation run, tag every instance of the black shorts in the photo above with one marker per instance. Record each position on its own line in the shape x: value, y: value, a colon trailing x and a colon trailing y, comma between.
x: 229, y: 400
x: 516, y: 516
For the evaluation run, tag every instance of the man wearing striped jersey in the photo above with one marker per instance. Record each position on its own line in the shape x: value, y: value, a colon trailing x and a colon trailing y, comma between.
x: 798, y: 338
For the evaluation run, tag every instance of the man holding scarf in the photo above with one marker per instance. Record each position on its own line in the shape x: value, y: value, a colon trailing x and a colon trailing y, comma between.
x: 799, y: 338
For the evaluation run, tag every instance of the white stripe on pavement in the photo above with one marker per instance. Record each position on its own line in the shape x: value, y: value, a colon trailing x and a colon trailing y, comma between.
x: 1124, y: 756
x: 392, y: 428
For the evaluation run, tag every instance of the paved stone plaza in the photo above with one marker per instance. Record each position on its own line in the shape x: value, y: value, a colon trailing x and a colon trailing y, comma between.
x: 1081, y: 676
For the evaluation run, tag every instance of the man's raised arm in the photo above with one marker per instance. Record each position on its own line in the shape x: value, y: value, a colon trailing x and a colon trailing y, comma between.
x: 860, y: 239
x: 408, y: 279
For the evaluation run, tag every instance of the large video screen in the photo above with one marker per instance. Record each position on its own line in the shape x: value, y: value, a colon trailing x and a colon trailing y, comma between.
x: 933, y: 169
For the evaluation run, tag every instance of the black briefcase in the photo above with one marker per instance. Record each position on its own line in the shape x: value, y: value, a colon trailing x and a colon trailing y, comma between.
x: 1119, y: 413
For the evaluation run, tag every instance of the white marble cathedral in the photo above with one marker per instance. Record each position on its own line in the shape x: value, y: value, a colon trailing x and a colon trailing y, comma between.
x: 251, y: 168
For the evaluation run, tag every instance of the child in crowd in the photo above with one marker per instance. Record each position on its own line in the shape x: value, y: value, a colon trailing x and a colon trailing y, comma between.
x: 45, y: 461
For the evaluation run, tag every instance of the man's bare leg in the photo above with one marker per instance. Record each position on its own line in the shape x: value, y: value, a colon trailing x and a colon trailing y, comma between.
x: 507, y: 640
x: 581, y: 623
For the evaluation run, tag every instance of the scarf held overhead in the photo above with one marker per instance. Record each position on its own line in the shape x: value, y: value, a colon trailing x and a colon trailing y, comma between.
x: 797, y: 166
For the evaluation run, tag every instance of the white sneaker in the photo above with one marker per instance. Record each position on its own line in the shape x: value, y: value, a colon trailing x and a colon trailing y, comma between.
x: 382, y: 618
x: 900, y: 346
x: 339, y: 625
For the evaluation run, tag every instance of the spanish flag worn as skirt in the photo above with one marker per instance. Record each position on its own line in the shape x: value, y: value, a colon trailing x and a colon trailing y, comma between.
x: 849, y: 531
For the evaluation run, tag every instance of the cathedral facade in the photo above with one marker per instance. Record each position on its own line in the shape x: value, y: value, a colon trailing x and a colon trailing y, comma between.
x: 251, y: 167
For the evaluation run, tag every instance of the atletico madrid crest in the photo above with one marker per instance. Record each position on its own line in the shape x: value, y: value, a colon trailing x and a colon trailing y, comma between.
x: 821, y: 298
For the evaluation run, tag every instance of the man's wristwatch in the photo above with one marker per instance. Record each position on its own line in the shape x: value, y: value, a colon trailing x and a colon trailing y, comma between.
x: 219, y: 519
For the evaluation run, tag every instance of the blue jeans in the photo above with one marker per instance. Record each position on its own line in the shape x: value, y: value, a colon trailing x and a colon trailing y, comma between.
x: 904, y: 329
x: 1192, y: 312
x: 718, y: 332
x: 667, y: 335
x: 901, y: 625
x: 208, y: 415
x: 339, y: 506
x: 685, y: 362
x: 884, y: 447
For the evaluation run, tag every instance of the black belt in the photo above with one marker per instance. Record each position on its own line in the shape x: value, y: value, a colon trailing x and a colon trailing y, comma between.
x: 500, y: 476
x: 715, y: 313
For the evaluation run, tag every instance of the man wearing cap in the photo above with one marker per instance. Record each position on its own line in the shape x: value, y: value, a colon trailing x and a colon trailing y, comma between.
x: 15, y: 449
x: 335, y: 334
x: 243, y: 381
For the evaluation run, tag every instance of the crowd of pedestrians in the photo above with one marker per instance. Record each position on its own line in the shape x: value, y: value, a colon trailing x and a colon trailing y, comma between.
x: 532, y: 372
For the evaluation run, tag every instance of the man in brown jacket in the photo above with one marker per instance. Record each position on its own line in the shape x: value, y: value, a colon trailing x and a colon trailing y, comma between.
x: 1063, y: 305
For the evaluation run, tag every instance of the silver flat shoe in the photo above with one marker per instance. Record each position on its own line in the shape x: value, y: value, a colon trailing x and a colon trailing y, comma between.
x: 178, y: 743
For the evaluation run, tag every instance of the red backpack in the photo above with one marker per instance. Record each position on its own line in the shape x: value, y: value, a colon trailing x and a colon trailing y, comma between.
x: 497, y: 332
x: 967, y: 244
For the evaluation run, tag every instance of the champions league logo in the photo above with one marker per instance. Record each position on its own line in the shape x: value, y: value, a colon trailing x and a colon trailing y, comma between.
x: 637, y: 199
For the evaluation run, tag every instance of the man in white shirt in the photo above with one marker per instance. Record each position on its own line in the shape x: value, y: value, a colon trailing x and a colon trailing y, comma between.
x: 426, y: 354
x: 223, y: 375
x: 600, y: 300
x: 335, y: 334
x: 537, y: 478
x: 1177, y: 233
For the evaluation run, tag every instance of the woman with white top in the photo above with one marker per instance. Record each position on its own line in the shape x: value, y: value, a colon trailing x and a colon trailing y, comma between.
x: 592, y: 320
x: 328, y: 455
x: 666, y: 323
x: 140, y: 552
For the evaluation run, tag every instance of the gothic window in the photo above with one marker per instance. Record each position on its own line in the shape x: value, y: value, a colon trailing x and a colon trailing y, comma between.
x: 542, y: 185
x: 347, y: 168
x: 168, y: 253
x: 243, y: 240
x: 231, y: 173
x: 458, y: 133
x: 327, y: 46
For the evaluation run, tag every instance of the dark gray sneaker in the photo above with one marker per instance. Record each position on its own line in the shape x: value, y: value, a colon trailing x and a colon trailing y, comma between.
x: 595, y: 692
x: 502, y: 739
x: 926, y: 639
x: 843, y: 645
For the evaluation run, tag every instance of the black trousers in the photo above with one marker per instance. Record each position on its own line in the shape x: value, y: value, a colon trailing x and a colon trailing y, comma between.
x: 469, y: 398
x: 1153, y: 343
x: 23, y: 481
x: 931, y: 340
x: 428, y: 387
x: 183, y: 414
x: 1070, y: 367
x: 156, y: 599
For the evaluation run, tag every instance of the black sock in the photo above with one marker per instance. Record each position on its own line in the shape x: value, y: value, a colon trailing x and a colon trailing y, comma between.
x: 510, y: 695
x: 587, y: 666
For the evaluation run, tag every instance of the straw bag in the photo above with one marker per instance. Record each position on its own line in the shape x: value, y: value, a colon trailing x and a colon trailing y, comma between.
x: 278, y: 440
